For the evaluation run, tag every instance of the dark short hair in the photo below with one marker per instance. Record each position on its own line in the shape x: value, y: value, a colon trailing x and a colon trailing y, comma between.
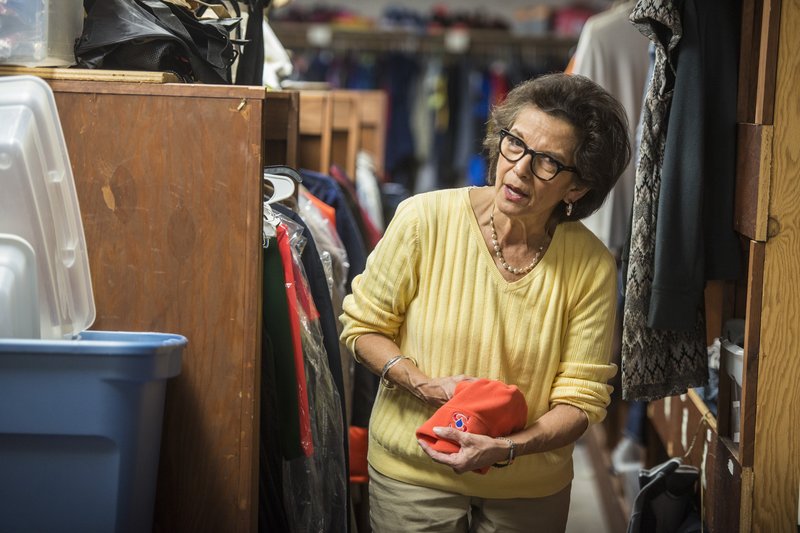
x: 603, y: 148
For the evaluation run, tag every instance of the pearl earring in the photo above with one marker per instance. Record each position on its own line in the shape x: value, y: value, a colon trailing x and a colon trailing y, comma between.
x: 569, y: 209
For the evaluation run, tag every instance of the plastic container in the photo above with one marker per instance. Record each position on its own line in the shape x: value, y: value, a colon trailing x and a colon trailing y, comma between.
x: 734, y: 364
x: 80, y: 430
x: 40, y: 32
x: 80, y: 411
x: 39, y: 205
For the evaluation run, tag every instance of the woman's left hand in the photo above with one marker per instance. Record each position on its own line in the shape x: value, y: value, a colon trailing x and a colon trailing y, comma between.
x: 477, y: 451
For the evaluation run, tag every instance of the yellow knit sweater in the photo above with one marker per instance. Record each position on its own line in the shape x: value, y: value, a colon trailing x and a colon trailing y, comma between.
x: 432, y: 286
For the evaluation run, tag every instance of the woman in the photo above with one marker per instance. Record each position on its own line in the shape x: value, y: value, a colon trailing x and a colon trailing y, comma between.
x: 499, y: 282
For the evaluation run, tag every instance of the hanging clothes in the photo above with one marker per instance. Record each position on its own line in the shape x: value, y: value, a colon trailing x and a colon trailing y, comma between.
x: 614, y: 54
x: 370, y: 232
x: 317, y: 281
x: 315, y: 487
x: 333, y: 257
x: 279, y: 435
x: 324, y: 187
x: 695, y: 240
x: 365, y: 383
x: 368, y: 191
x: 400, y: 70
x: 655, y: 363
x: 281, y: 325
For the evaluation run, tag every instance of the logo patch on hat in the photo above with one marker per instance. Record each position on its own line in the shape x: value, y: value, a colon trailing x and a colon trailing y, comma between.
x: 459, y: 421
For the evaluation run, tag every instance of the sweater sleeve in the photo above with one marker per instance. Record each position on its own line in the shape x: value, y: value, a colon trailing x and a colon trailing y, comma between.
x: 581, y: 379
x: 383, y: 291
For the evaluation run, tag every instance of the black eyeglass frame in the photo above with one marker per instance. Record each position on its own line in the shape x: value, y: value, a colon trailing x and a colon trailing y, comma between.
x: 560, y: 167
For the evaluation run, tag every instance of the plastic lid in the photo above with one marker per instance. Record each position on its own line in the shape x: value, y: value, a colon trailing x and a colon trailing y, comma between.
x: 39, y: 205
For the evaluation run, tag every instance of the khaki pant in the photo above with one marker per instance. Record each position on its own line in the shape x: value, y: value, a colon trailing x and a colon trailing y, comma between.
x: 403, y: 508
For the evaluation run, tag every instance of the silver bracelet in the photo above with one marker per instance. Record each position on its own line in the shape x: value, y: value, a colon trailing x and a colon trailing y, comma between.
x: 389, y: 364
x: 511, y: 453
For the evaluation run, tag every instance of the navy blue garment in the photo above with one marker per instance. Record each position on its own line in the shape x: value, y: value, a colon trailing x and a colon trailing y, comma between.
x: 447, y: 173
x: 400, y: 72
x: 318, y: 285
x: 326, y: 189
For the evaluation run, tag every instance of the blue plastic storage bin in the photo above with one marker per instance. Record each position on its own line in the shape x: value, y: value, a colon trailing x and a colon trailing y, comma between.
x: 80, y: 430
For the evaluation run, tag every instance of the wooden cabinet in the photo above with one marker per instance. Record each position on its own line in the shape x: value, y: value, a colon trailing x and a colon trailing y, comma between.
x: 169, y: 183
x: 335, y: 125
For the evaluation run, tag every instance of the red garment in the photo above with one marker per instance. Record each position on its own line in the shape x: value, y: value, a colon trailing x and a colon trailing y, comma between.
x: 306, y: 439
x: 483, y: 406
x: 359, y: 437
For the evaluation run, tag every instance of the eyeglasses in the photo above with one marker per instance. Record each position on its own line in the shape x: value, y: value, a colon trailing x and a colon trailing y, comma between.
x: 543, y: 166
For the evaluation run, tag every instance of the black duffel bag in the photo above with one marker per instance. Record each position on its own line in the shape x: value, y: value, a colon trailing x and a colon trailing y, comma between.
x: 153, y: 35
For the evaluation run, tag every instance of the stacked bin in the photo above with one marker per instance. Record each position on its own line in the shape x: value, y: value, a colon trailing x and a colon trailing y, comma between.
x: 80, y: 411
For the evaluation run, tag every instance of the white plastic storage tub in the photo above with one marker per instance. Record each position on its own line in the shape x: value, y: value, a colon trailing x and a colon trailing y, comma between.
x: 43, y: 257
x: 734, y: 363
x: 40, y: 32
x: 80, y: 430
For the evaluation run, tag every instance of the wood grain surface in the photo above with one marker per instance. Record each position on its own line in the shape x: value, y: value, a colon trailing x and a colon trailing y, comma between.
x: 169, y: 184
x: 776, y: 465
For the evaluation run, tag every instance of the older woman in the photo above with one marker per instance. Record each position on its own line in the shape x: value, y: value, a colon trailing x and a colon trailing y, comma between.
x: 500, y: 282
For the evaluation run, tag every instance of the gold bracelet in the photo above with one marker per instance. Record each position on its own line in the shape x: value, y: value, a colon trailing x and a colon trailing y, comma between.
x: 511, y: 453
x: 389, y: 364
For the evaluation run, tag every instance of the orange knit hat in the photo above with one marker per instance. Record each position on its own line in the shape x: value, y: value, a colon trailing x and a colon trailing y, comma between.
x: 484, y: 406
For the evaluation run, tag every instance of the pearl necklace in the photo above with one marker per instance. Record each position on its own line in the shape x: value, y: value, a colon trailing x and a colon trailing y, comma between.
x: 499, y: 252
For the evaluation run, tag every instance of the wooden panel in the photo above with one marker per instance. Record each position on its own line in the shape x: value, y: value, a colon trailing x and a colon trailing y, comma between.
x: 346, y: 131
x: 724, y: 487
x: 315, y: 113
x: 776, y: 464
x: 281, y: 129
x: 753, y: 174
x: 315, y: 126
x: 659, y: 412
x: 719, y: 299
x: 170, y: 202
x: 238, y: 93
x: 748, y: 60
x: 688, y: 430
x: 752, y: 341
x: 85, y: 74
x: 344, y: 109
x: 768, y: 60
x: 311, y: 155
x: 372, y: 110
x: 746, y: 501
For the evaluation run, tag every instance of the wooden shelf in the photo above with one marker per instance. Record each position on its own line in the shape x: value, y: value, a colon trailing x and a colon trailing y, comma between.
x: 298, y: 36
x: 687, y: 429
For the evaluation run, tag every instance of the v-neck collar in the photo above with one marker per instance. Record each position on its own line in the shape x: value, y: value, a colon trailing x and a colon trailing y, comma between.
x: 488, y: 259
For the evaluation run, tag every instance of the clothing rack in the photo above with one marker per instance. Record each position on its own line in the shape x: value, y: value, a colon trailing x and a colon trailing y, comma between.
x: 456, y: 41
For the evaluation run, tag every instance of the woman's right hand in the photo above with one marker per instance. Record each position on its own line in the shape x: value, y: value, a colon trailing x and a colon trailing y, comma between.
x: 436, y: 391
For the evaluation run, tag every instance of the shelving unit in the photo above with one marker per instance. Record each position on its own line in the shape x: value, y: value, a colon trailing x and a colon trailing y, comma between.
x: 456, y: 41
x: 753, y: 485
x: 334, y: 125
